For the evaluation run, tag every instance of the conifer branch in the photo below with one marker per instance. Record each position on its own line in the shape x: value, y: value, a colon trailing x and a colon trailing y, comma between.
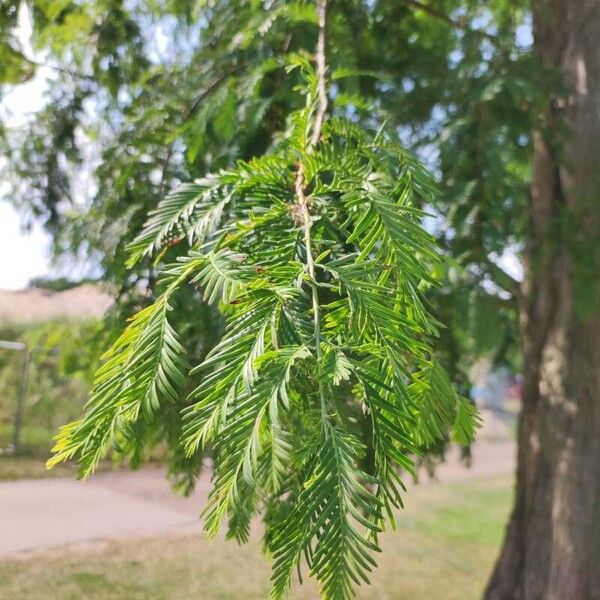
x: 323, y: 497
x: 58, y: 69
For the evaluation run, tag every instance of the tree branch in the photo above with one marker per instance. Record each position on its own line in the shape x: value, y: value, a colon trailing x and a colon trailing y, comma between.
x: 206, y: 91
x: 434, y: 12
x: 439, y: 14
x: 203, y: 94
x: 321, y: 70
x: 502, y: 278
x: 59, y: 69
x: 302, y: 200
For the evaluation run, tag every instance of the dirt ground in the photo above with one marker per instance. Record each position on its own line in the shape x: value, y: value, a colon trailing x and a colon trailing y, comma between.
x: 36, y: 305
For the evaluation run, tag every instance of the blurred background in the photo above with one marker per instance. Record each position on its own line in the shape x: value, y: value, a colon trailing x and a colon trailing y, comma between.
x: 107, y: 105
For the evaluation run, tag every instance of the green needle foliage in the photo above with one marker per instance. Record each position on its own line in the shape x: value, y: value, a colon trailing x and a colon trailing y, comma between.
x: 324, y: 386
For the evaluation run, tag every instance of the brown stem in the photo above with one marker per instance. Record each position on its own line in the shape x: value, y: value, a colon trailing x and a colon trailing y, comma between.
x: 321, y: 70
x: 301, y: 199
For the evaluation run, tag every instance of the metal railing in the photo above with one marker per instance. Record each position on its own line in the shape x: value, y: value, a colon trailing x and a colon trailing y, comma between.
x: 21, y: 393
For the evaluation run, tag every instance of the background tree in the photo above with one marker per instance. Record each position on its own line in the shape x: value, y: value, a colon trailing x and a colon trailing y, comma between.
x: 462, y: 85
x: 552, y: 547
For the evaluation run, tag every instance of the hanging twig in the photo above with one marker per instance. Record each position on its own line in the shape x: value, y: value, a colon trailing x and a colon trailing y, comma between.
x: 302, y: 200
x: 321, y: 70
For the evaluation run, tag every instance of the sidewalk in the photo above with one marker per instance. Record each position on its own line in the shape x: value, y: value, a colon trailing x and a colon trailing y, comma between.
x: 37, y: 515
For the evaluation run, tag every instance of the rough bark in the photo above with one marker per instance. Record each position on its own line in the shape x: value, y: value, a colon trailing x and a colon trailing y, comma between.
x: 552, y: 545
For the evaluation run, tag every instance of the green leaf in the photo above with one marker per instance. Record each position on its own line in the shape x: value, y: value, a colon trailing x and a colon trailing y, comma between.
x: 144, y: 367
x: 193, y: 211
x: 241, y: 441
x: 333, y: 522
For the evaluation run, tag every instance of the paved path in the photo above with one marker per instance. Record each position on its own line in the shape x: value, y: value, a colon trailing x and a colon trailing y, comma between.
x: 38, y: 515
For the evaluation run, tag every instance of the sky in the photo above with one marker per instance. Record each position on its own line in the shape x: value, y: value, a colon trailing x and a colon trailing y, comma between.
x: 22, y: 255
x: 25, y: 254
x: 32, y: 246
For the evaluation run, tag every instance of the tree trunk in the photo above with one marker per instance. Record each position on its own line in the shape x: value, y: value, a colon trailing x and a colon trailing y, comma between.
x: 552, y: 544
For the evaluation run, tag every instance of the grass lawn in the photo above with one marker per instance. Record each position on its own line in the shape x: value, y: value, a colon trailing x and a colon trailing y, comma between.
x: 30, y: 462
x: 30, y: 467
x: 444, y: 549
x: 35, y: 450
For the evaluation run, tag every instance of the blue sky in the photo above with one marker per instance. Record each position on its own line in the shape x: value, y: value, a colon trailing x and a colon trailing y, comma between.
x: 26, y: 254
x: 23, y: 254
